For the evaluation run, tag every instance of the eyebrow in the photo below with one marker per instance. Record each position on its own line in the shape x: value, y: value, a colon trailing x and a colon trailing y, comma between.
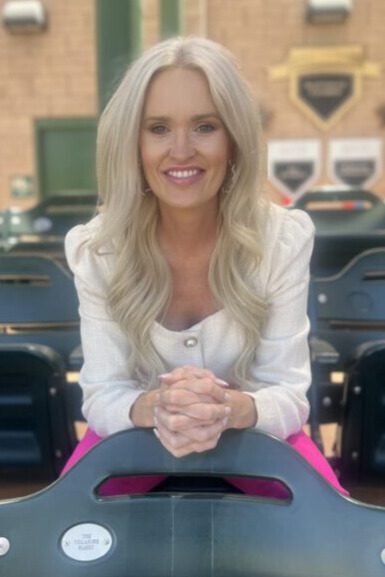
x: 197, y: 117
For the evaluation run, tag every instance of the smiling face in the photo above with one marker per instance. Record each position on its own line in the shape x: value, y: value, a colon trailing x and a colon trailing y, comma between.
x: 184, y: 145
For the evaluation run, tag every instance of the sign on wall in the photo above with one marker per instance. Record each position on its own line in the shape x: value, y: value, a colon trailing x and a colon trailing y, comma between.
x: 325, y: 94
x: 293, y: 165
x: 355, y: 162
x: 325, y: 82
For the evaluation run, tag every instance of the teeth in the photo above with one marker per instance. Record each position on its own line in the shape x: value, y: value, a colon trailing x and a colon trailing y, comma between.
x: 183, y: 173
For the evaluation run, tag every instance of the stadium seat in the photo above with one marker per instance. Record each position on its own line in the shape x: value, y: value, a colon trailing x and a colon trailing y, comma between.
x: 38, y: 303
x: 362, y: 428
x: 347, y: 311
x: 36, y: 433
x: 69, y: 530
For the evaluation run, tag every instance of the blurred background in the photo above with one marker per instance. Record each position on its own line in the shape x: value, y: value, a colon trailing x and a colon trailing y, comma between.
x: 317, y: 70
x: 316, y: 67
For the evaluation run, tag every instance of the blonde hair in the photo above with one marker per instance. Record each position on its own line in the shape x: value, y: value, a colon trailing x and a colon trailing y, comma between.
x: 140, y: 288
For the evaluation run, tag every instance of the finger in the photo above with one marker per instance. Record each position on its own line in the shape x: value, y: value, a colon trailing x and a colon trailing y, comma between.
x: 174, y: 442
x: 203, y: 413
x: 198, y: 386
x: 186, y: 372
x: 191, y: 417
x: 180, y: 448
x: 206, y: 433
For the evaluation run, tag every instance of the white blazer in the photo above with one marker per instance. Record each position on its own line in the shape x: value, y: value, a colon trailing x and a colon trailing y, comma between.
x: 280, y: 373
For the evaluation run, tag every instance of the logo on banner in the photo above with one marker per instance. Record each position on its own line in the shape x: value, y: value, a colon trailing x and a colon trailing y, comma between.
x: 293, y: 165
x: 325, y: 82
x: 356, y: 162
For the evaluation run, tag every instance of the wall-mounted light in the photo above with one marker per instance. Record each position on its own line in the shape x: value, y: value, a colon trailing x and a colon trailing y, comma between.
x: 21, y: 16
x: 328, y: 11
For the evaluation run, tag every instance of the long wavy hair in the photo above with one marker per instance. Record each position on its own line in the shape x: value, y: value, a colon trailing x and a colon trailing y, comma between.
x: 141, y: 284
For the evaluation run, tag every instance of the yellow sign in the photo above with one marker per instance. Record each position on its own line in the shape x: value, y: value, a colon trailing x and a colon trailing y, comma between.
x: 325, y: 82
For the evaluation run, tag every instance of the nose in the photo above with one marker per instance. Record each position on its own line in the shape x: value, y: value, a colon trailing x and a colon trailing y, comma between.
x: 182, y: 146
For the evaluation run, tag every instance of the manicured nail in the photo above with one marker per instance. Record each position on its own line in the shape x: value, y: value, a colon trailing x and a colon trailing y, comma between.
x: 222, y: 382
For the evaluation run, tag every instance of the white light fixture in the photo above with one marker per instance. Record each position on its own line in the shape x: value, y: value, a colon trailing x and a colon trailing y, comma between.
x: 328, y: 11
x: 21, y: 16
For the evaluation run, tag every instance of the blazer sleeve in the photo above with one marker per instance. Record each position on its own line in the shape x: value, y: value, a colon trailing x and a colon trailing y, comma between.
x: 281, y: 370
x: 108, y: 390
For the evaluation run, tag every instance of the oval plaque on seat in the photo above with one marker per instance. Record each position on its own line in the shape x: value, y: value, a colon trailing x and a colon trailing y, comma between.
x: 86, y: 542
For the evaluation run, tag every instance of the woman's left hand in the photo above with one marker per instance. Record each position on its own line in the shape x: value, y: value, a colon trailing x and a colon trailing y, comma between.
x: 191, y: 411
x: 194, y: 407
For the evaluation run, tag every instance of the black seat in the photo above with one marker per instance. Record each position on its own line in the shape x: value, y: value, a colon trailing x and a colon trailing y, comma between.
x: 38, y: 303
x: 340, y: 211
x: 362, y: 432
x: 70, y: 531
x: 36, y: 433
x: 346, y: 310
x: 350, y: 306
x: 347, y: 222
x: 51, y: 218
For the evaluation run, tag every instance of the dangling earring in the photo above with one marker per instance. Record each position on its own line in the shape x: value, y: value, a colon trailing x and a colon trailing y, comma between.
x: 229, y: 182
x: 145, y: 187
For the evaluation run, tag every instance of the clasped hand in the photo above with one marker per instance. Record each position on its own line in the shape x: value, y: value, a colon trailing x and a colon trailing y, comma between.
x: 191, y: 410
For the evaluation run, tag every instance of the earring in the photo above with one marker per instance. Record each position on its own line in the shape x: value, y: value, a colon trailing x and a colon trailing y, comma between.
x: 229, y: 182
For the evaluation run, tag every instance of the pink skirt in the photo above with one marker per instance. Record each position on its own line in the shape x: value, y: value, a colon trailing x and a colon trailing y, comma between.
x: 142, y: 484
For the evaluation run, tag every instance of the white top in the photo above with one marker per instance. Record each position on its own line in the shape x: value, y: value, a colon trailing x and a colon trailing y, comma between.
x: 281, y: 371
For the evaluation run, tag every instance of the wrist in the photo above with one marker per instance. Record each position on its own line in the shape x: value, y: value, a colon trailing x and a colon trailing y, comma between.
x: 142, y: 411
x: 243, y: 410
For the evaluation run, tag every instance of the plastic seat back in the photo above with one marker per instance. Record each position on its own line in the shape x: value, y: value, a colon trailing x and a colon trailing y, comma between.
x: 316, y: 533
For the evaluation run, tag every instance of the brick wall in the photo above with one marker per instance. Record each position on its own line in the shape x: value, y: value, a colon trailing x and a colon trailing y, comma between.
x: 50, y: 74
x: 261, y: 34
x: 53, y: 74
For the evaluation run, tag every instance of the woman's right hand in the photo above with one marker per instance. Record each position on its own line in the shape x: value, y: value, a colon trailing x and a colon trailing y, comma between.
x: 190, y: 410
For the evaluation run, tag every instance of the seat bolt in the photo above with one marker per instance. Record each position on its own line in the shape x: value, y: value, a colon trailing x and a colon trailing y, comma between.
x: 327, y: 402
x: 4, y: 546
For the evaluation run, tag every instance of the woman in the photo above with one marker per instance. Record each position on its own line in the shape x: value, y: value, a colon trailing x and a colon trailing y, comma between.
x: 192, y: 286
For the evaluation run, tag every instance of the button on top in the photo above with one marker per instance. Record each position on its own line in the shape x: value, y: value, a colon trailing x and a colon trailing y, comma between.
x: 191, y: 342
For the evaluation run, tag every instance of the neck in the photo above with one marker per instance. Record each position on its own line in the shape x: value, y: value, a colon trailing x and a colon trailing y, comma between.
x: 188, y: 232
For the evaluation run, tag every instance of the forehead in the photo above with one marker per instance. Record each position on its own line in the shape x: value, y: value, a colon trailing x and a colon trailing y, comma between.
x: 176, y: 90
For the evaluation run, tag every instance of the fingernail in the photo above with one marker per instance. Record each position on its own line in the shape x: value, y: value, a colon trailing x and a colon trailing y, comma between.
x: 227, y: 410
x: 227, y: 397
x: 165, y: 376
x: 222, y: 382
x: 156, y: 433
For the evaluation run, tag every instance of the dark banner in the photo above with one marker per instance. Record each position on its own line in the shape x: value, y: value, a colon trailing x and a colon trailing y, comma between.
x: 293, y: 175
x: 294, y: 165
x: 325, y: 94
x: 355, y: 172
x: 356, y: 162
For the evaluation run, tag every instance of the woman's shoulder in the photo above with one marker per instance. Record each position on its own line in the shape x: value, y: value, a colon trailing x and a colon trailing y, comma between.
x: 287, y: 227
x: 287, y: 244
x: 81, y: 252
